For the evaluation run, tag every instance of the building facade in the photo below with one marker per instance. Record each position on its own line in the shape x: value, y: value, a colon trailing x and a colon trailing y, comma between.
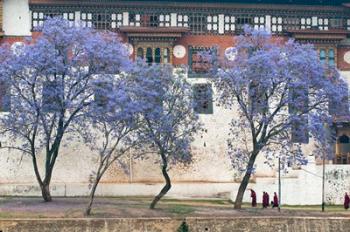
x: 176, y: 32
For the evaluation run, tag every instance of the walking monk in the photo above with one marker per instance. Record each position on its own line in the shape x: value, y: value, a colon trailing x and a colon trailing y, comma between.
x: 275, y: 200
x: 253, y: 196
x: 264, y: 203
x: 346, y: 201
x: 267, y: 199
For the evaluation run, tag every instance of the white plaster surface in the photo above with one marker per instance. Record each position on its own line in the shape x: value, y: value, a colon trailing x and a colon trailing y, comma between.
x: 17, y: 19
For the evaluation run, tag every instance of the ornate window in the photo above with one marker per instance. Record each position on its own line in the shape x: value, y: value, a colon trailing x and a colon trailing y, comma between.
x: 276, y: 24
x: 336, y: 23
x: 342, y: 150
x: 323, y: 23
x: 154, y: 54
x: 305, y: 23
x: 203, y: 98
x: 101, y: 21
x: 291, y: 23
x: 199, y: 61
x: 86, y: 19
x: 70, y: 17
x: 212, y: 23
x: 134, y: 19
x: 117, y: 20
x: 327, y: 56
x: 38, y: 17
x: 243, y: 20
x: 164, y: 20
x: 198, y: 23
x: 259, y: 22
x: 230, y: 23
x: 182, y: 20
x: 147, y: 20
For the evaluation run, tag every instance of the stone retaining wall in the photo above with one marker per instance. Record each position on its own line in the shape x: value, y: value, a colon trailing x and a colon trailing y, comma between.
x: 242, y: 224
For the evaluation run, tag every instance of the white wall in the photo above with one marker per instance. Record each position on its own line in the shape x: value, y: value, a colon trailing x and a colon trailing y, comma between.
x: 17, y: 20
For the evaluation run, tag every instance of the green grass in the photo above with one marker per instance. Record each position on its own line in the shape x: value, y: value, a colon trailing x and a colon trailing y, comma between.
x: 180, y: 209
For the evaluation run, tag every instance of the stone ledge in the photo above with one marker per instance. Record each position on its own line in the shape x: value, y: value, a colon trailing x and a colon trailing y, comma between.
x: 196, y: 224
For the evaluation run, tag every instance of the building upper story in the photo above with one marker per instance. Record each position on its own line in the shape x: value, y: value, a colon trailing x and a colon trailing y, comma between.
x: 174, y: 31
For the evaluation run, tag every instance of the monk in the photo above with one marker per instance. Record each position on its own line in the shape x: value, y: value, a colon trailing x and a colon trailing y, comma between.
x: 264, y: 200
x: 253, y: 196
x: 267, y: 200
x: 275, y: 200
x: 346, y: 201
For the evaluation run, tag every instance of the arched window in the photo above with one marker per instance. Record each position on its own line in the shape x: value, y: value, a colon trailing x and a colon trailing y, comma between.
x: 149, y: 57
x: 343, y: 139
x: 140, y: 53
x: 166, y: 53
x: 157, y: 56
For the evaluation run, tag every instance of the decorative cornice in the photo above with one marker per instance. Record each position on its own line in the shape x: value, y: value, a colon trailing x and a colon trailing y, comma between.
x: 314, y: 35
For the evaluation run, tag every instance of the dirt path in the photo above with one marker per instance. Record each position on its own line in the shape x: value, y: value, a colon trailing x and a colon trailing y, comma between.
x: 138, y: 207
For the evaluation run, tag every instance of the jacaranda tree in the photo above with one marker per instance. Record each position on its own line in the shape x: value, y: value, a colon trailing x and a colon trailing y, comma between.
x: 282, y: 93
x: 113, y: 119
x: 168, y: 119
x: 50, y: 83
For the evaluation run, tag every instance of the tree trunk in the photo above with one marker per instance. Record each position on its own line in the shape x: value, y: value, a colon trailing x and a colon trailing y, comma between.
x: 92, y: 196
x: 167, y: 185
x: 44, y: 185
x: 245, y: 181
x: 45, y: 192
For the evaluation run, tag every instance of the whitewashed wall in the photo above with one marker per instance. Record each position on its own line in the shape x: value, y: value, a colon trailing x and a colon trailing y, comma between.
x: 17, y: 21
x: 210, y: 175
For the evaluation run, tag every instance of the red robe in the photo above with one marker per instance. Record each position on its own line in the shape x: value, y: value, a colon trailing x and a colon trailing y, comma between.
x: 264, y: 200
x: 275, y: 201
x: 267, y: 200
x: 253, y: 196
x: 346, y: 201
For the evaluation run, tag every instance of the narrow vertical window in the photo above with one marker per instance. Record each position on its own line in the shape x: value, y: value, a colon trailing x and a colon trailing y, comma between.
x: 140, y: 53
x: 257, y: 99
x: 277, y: 24
x: 154, y: 20
x: 157, y: 56
x: 339, y: 107
x: 101, y: 94
x: 298, y: 105
x: 203, y: 98
x: 51, y: 96
x: 166, y: 53
x: 305, y: 23
x: 149, y: 56
x: 322, y: 56
x: 331, y: 57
